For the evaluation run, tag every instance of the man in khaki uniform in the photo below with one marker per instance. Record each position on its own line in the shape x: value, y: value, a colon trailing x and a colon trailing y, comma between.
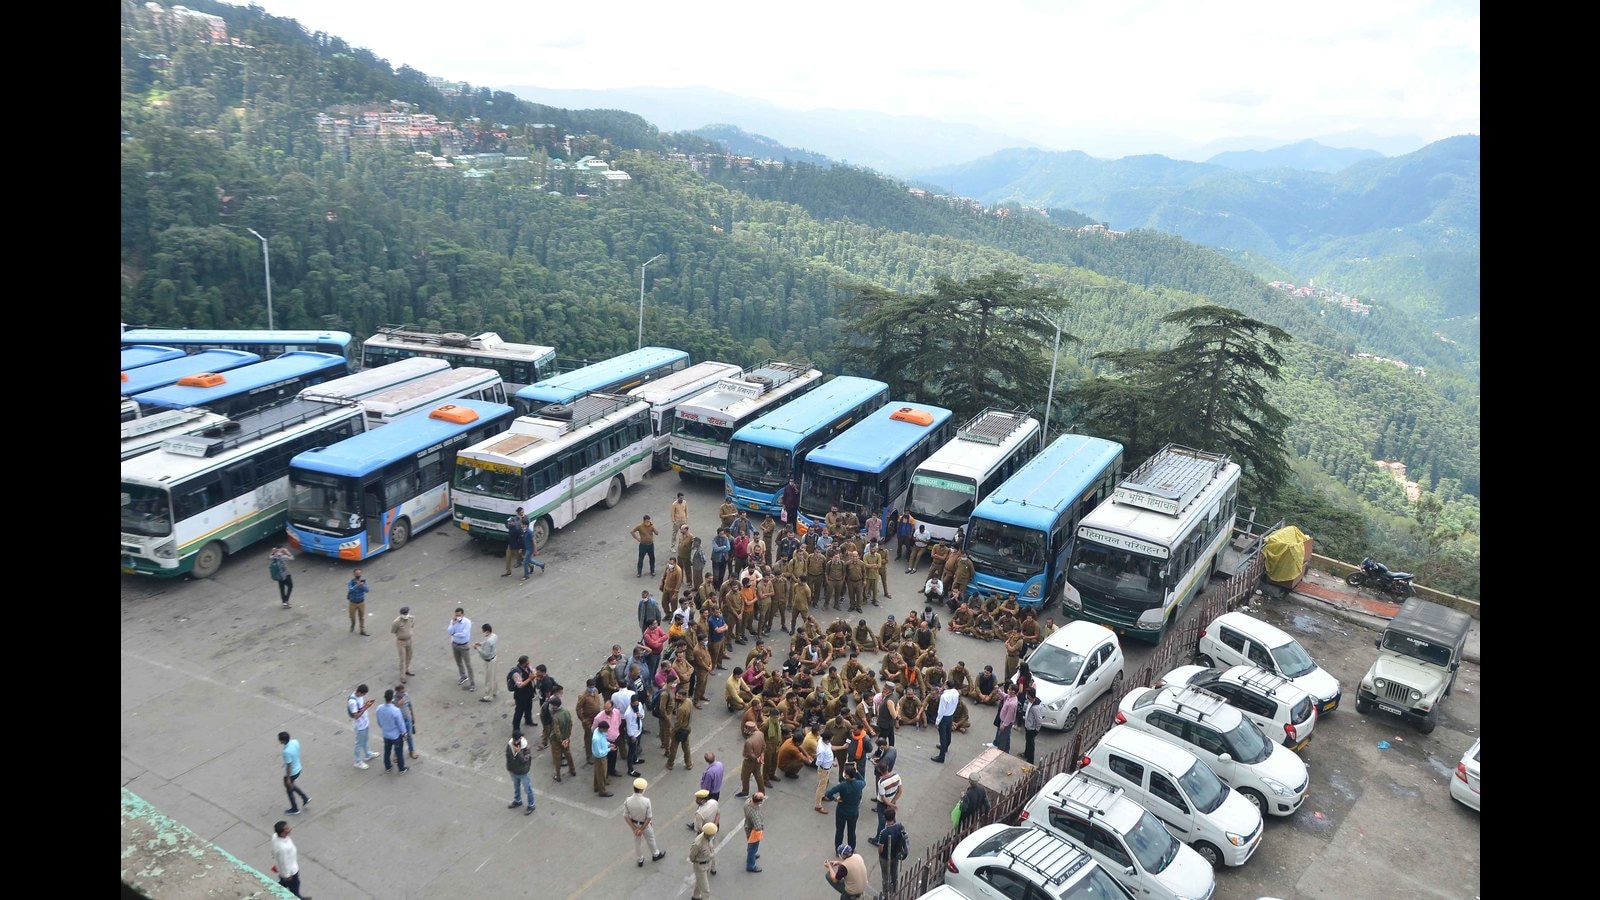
x: 561, y: 737
x: 799, y: 604
x: 671, y: 581
x: 685, y: 547
x: 816, y: 562
x: 680, y: 513
x: 645, y: 534
x: 961, y: 572
x: 641, y: 820
x: 765, y: 592
x: 587, y: 707
x: 769, y: 528
x: 755, y: 756
x: 727, y: 512
x: 782, y: 587
x: 855, y: 577
x: 403, y: 629
x: 873, y: 560
x: 834, y: 572
x: 681, y: 712
x: 701, y: 853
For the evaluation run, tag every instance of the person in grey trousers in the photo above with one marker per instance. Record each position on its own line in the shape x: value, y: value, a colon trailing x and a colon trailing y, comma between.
x: 488, y: 648
x: 460, y: 629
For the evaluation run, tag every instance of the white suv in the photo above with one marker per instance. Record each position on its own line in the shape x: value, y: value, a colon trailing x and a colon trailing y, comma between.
x: 1072, y: 668
x: 1270, y: 700
x: 1235, y: 639
x: 1006, y: 862
x: 1180, y: 790
x: 1122, y: 836
x: 1267, y: 773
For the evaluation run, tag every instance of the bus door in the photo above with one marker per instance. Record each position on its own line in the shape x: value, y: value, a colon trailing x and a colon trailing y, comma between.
x: 373, y: 508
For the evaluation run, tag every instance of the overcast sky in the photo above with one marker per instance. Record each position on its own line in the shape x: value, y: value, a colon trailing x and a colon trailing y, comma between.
x: 1047, y: 70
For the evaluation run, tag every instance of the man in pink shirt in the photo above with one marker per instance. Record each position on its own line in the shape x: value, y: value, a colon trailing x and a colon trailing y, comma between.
x: 610, y: 721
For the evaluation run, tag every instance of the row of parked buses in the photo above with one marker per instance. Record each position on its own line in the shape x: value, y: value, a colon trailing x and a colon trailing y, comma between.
x: 354, y: 464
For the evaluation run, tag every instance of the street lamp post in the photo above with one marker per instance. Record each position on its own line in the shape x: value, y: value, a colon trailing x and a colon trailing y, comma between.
x: 641, y: 298
x: 266, y: 266
x: 1051, y: 396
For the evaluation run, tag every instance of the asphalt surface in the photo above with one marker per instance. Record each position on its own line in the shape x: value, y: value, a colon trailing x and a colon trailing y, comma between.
x: 212, y: 670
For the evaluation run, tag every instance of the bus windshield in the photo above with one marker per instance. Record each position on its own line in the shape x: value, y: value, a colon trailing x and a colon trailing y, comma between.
x: 1114, y: 572
x: 489, y: 483
x: 323, y: 501
x: 702, y: 431
x: 943, y: 501
x: 1008, y: 548
x: 827, y: 486
x: 145, y: 511
x: 759, y: 466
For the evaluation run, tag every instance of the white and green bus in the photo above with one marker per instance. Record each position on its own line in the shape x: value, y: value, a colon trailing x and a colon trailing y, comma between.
x: 212, y: 492
x: 1146, y: 551
x: 554, y: 464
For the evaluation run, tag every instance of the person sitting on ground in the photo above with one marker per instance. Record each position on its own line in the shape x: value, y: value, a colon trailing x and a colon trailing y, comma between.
x: 986, y: 689
x: 888, y: 634
x: 962, y: 720
x: 865, y: 640
x: 911, y: 709
x: 961, y: 619
x: 791, y: 758
x: 736, y: 692
x: 984, y: 629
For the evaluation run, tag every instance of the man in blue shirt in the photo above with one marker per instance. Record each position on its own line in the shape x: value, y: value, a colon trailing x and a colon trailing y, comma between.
x: 355, y: 592
x: 393, y: 724
x: 601, y: 748
x: 716, y: 632
x: 848, y: 793
x: 291, y: 772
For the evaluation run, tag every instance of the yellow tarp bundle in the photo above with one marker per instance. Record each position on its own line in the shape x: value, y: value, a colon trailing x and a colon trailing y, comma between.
x: 1285, y: 554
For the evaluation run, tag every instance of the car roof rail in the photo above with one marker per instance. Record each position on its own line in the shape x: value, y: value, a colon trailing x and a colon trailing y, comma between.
x: 1088, y: 795
x: 1053, y: 857
x: 1198, y: 700
x: 1263, y: 679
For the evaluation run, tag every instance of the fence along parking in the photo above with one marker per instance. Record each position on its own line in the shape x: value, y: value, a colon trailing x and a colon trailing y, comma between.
x: 1177, y: 647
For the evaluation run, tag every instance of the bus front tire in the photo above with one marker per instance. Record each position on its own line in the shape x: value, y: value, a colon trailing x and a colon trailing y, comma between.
x: 614, y: 492
x: 208, y: 560
x: 541, y: 531
x: 399, y: 534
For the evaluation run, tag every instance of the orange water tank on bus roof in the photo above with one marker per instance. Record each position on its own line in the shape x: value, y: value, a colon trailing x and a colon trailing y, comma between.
x: 124, y: 376
x: 460, y: 415
x: 202, y: 379
x: 913, y: 415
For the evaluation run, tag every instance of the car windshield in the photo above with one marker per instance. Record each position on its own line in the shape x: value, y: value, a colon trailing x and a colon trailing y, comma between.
x: 1097, y: 884
x: 1203, y: 787
x: 1293, y: 660
x: 753, y: 465
x: 1152, y: 843
x: 1406, y: 645
x: 1055, y: 664
x: 1246, y: 742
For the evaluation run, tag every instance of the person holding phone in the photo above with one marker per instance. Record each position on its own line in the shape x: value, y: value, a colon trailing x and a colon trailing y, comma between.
x: 848, y: 873
x: 355, y: 594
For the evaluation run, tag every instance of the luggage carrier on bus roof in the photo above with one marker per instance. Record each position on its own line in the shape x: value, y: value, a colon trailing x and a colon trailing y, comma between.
x: 485, y: 341
x: 992, y: 426
x: 770, y: 374
x: 1170, y: 479
x: 259, y: 423
x: 552, y: 421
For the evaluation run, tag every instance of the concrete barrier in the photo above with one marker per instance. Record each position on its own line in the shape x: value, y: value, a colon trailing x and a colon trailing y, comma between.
x: 1339, y: 569
x: 164, y: 860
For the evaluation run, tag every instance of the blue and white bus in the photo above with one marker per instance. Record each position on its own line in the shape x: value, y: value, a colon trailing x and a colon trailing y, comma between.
x: 136, y: 355
x: 1141, y: 556
x: 985, y: 452
x: 868, y: 468
x: 247, y: 388
x: 1020, y: 536
x: 369, y: 382
x: 372, y: 492
x: 518, y: 365
x: 259, y: 341
x: 207, y: 494
x: 765, y: 454
x: 617, y: 375
x: 159, y: 375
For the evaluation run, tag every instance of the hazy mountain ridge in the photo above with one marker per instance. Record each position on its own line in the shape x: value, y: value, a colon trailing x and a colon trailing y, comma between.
x: 1308, y: 155
x: 743, y: 143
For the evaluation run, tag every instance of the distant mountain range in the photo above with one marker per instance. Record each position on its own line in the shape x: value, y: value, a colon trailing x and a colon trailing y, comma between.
x: 1308, y: 155
x: 758, y: 146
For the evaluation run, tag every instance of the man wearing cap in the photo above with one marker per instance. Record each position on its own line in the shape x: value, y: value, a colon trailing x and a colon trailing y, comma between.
x: 754, y: 824
x: 519, y: 762
x: 403, y: 628
x: 645, y: 534
x: 702, y: 852
x: 848, y: 875
x: 636, y: 809
x: 755, y: 754
x: 706, y: 811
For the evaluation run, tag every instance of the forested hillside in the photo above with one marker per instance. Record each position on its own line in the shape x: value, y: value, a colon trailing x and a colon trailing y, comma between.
x: 219, y: 138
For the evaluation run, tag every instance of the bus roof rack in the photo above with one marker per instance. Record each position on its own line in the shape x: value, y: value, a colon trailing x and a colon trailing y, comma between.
x: 1170, y: 479
x: 267, y: 420
x: 992, y: 426
x: 485, y: 341
x: 160, y: 420
x: 770, y: 374
x: 553, y: 420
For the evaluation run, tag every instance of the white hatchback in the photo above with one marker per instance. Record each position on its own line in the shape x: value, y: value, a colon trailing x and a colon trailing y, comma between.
x: 1235, y: 639
x: 1072, y: 668
x: 1006, y: 862
x: 1270, y: 700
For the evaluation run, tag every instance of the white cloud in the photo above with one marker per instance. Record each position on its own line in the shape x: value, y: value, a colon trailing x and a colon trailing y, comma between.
x: 1196, y: 71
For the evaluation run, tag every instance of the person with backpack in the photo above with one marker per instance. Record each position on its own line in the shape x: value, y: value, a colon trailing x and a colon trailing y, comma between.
x: 278, y: 568
x: 893, y: 846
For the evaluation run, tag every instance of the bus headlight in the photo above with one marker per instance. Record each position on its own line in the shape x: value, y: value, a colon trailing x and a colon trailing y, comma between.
x: 1033, y: 589
x: 168, y: 550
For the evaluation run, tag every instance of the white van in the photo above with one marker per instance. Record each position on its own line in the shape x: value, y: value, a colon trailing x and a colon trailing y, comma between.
x: 1180, y: 790
x: 1235, y: 639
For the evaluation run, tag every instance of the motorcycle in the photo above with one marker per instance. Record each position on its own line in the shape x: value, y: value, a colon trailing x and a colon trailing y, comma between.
x: 1377, y: 576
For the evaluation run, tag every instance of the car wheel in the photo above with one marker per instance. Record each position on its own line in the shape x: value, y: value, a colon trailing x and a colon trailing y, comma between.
x: 1206, y: 661
x: 399, y: 534
x: 1070, y: 722
x: 1426, y: 726
x: 1255, y: 797
x: 1363, y: 705
x: 208, y: 560
x: 614, y: 492
x: 1116, y: 687
x: 1209, y: 853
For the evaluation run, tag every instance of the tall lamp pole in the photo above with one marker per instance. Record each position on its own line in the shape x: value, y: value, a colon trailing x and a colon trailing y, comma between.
x: 1050, y: 397
x: 641, y: 298
x: 266, y: 266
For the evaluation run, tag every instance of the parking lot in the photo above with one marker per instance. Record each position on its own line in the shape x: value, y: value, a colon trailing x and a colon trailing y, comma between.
x: 212, y: 670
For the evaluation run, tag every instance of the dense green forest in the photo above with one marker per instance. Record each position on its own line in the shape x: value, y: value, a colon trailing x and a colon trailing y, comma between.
x: 218, y: 138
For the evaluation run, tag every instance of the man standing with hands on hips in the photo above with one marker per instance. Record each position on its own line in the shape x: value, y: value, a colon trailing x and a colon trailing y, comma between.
x: 488, y: 648
x: 355, y: 594
x: 460, y: 629
x: 404, y: 627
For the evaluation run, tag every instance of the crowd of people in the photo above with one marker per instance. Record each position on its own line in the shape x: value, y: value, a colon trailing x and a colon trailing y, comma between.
x: 821, y: 695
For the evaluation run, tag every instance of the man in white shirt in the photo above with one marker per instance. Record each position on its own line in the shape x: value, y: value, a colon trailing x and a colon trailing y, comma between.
x: 356, y: 708
x: 824, y: 767
x: 949, y: 698
x: 632, y: 726
x: 286, y: 859
x: 933, y: 589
